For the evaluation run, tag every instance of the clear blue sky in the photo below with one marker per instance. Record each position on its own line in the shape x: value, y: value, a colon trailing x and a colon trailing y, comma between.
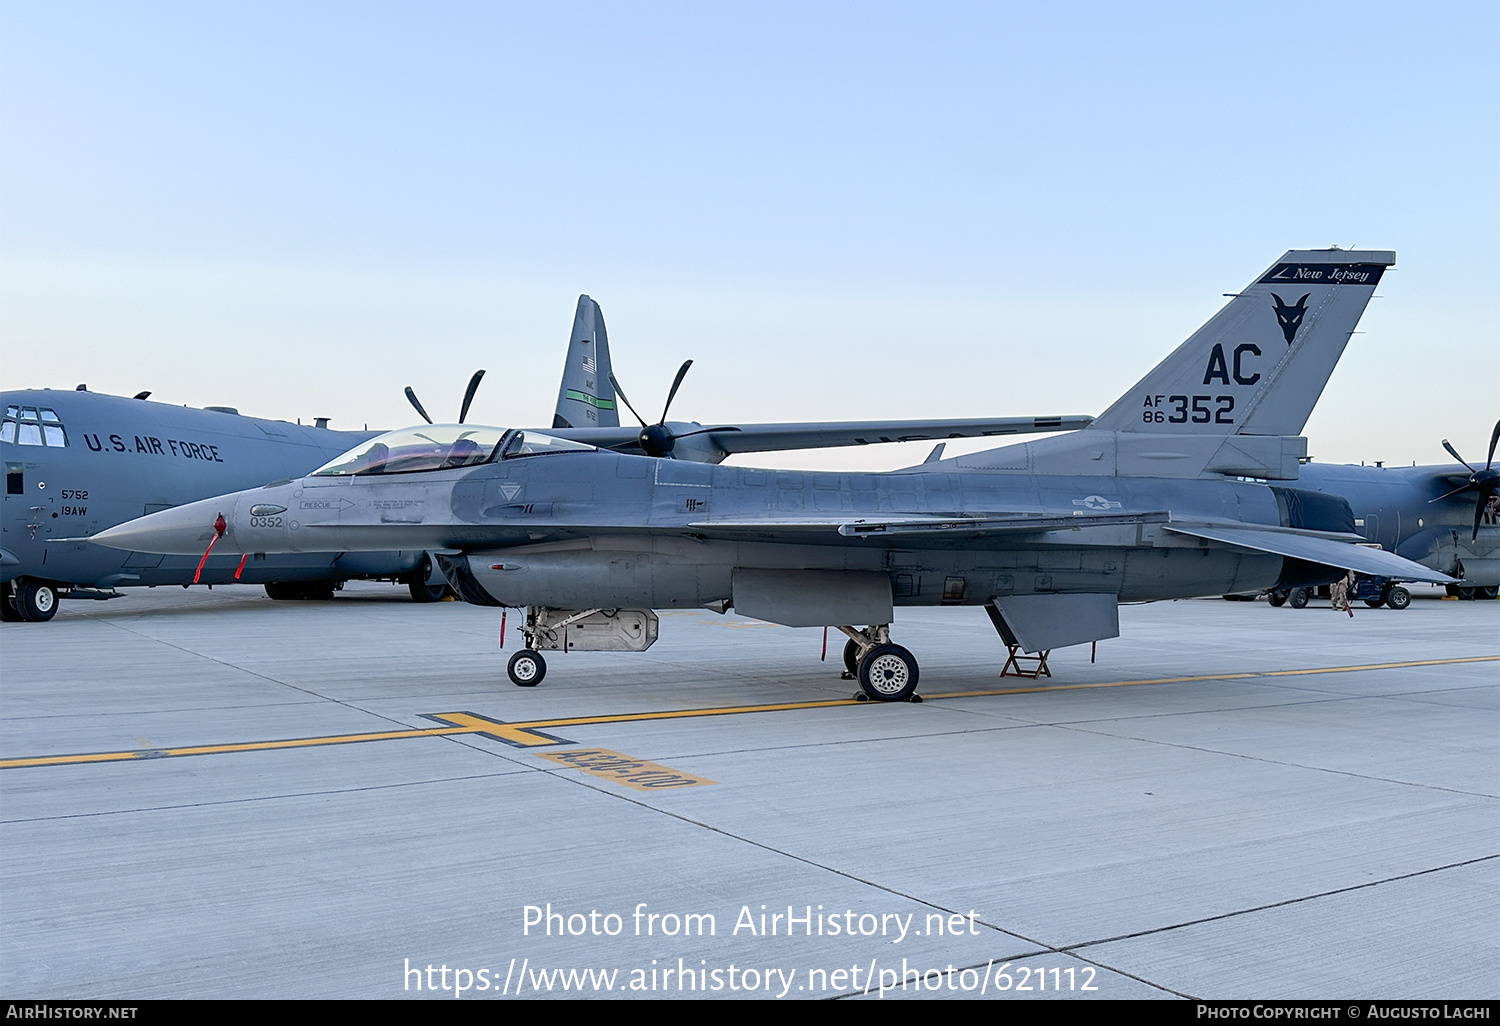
x: 838, y: 210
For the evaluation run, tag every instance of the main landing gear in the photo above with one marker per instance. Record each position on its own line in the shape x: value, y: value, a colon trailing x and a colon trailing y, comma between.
x: 28, y: 600
x: 886, y: 672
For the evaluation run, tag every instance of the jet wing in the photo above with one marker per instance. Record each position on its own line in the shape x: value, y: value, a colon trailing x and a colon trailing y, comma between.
x: 722, y: 441
x: 1342, y: 554
x: 929, y: 526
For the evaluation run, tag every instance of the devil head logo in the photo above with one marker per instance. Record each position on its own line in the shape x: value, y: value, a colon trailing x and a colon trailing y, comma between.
x: 1290, y: 317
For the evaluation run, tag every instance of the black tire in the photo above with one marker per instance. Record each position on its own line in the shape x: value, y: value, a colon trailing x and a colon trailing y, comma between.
x: 1490, y: 592
x: 8, y: 612
x: 422, y: 592
x: 36, y: 601
x: 1397, y: 597
x: 526, y: 668
x: 1276, y: 598
x: 280, y: 592
x: 851, y: 658
x: 1464, y: 594
x: 1375, y: 603
x: 1298, y: 598
x: 317, y: 591
x: 888, y: 673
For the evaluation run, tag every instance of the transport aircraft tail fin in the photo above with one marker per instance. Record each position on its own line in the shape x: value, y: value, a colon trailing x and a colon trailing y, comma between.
x: 1259, y: 365
x: 586, y: 398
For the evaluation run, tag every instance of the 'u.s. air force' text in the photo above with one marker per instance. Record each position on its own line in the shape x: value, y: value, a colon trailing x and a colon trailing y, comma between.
x: 806, y: 922
x: 153, y: 446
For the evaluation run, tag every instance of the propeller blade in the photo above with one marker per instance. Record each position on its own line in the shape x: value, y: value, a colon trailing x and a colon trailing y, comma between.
x: 412, y: 398
x: 1494, y: 437
x: 621, y: 393
x: 1448, y: 495
x: 1478, y: 516
x: 1454, y: 453
x: 469, y: 395
x: 676, y: 384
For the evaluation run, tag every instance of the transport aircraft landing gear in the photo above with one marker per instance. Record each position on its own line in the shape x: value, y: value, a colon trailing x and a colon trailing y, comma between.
x: 421, y: 591
x: 8, y: 611
x: 886, y: 672
x: 526, y: 669
x: 29, y: 600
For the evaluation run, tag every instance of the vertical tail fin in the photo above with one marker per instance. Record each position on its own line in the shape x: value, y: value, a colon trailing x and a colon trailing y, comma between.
x: 1260, y: 364
x: 586, y: 398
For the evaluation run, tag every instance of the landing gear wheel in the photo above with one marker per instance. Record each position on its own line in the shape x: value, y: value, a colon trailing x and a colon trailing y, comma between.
x: 526, y: 669
x: 1297, y: 599
x: 888, y: 673
x: 1489, y: 592
x: 1464, y: 594
x: 421, y: 592
x: 1398, y: 598
x: 317, y: 591
x: 1276, y: 598
x: 281, y: 592
x: 1375, y: 603
x: 416, y: 583
x: 851, y: 660
x: 36, y: 601
x: 8, y: 612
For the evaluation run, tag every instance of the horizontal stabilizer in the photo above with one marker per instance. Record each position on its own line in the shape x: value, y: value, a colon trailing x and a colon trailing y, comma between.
x: 1344, y: 555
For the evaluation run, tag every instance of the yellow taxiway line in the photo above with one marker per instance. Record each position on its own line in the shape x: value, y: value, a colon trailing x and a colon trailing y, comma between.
x: 533, y: 734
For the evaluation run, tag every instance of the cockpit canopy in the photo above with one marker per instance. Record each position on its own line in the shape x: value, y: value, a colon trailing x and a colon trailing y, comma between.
x: 443, y: 447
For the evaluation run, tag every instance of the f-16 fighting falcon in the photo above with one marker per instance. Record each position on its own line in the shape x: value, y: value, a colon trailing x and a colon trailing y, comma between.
x: 1185, y: 487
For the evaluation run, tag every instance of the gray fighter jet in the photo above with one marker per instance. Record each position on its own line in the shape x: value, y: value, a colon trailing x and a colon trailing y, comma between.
x: 1184, y: 487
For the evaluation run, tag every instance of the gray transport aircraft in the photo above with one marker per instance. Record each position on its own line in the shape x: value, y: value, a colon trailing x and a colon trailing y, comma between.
x: 79, y: 462
x: 1184, y: 487
x: 1443, y: 517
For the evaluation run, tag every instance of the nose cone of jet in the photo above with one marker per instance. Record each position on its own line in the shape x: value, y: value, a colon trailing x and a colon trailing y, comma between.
x: 182, y: 530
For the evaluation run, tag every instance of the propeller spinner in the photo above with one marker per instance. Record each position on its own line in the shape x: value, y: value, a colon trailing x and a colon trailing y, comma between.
x: 657, y: 439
